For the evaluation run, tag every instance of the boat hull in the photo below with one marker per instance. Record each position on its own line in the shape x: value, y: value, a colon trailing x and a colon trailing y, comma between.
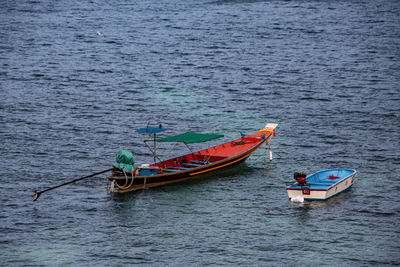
x: 128, y: 184
x: 320, y: 187
x: 183, y: 168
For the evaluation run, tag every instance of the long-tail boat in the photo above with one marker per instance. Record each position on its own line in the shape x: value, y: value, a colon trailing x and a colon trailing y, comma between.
x: 125, y: 177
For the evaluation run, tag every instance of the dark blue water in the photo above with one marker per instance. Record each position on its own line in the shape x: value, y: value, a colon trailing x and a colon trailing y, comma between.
x: 327, y: 71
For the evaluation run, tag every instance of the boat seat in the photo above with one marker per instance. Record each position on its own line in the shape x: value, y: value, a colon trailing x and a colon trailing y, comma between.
x: 326, y: 182
x: 179, y: 168
x: 321, y: 184
x: 192, y: 164
x: 199, y: 162
x: 170, y: 170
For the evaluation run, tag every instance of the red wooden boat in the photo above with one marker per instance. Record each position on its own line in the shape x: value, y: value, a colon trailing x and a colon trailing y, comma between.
x: 188, y: 166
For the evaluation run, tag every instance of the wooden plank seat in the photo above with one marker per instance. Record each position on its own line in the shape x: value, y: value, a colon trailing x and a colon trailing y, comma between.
x: 175, y: 169
x: 199, y: 162
x: 171, y: 170
x: 192, y: 164
x: 179, y: 168
x: 322, y: 184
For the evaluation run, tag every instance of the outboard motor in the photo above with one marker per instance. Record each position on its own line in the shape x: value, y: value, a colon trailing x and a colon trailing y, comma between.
x: 300, y: 177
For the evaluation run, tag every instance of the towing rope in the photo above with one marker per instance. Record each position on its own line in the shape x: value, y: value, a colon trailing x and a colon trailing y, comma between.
x: 126, y: 186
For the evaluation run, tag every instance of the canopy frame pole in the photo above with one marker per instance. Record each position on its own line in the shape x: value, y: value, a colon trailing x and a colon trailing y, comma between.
x: 191, y: 151
x: 155, y: 149
x: 151, y: 150
x: 188, y: 148
x: 154, y: 131
x: 208, y: 157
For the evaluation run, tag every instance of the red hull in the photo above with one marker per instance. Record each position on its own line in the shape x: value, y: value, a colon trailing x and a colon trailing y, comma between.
x: 192, y: 165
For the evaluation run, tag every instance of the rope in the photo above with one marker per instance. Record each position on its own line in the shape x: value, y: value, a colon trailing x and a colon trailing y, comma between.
x: 98, y: 183
x: 126, y: 186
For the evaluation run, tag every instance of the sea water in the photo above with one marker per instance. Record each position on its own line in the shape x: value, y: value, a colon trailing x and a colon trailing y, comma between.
x: 326, y: 71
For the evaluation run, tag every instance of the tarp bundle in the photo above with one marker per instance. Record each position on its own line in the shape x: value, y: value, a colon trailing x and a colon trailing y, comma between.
x: 125, y: 161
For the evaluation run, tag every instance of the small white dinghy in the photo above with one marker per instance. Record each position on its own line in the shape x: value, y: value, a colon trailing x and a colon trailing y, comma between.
x: 320, y: 185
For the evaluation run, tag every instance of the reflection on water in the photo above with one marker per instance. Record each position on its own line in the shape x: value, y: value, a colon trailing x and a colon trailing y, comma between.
x: 336, y: 200
x: 305, y: 211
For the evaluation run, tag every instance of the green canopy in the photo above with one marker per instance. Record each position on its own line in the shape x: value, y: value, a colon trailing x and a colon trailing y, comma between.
x: 189, y: 138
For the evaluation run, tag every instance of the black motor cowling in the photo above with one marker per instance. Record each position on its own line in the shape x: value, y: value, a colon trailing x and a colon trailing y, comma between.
x: 300, y: 177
